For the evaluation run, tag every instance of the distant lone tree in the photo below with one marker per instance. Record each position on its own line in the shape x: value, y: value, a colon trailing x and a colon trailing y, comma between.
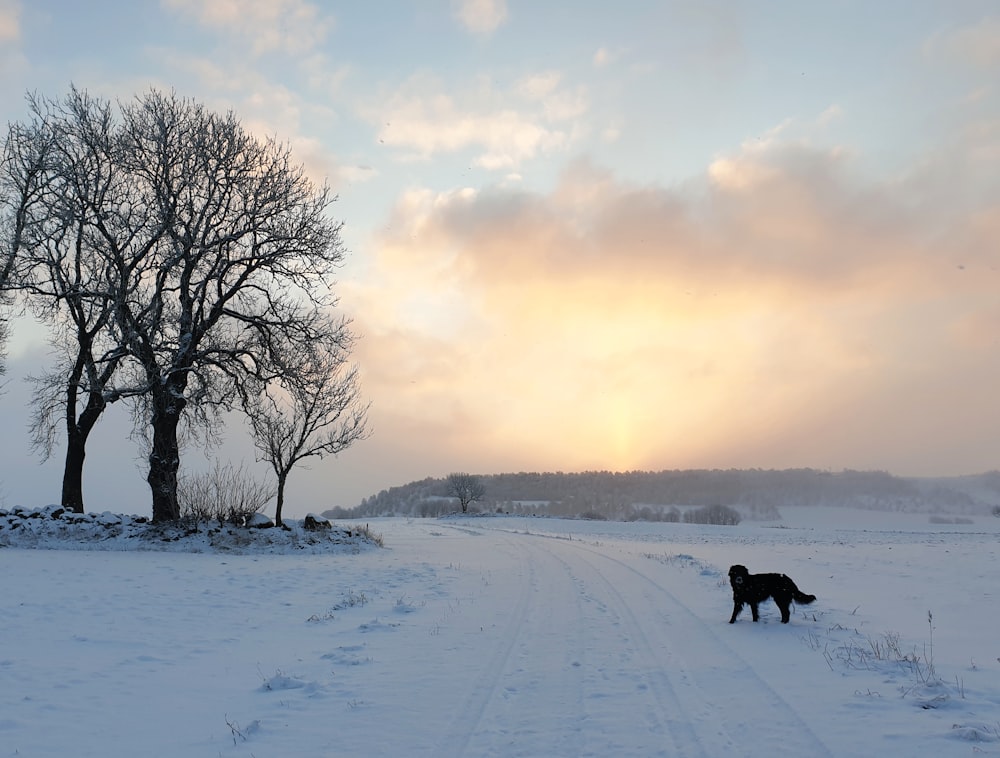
x: 468, y: 488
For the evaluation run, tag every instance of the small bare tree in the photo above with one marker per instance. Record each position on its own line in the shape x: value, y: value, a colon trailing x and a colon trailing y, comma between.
x: 314, y: 409
x: 468, y: 488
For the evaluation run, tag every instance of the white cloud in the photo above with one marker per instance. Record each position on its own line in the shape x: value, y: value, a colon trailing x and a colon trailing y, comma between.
x: 10, y: 21
x: 356, y: 174
x: 290, y: 26
x: 503, y: 129
x: 738, y: 173
x: 748, y: 168
x: 480, y: 16
x: 539, y: 86
x: 830, y: 115
x: 978, y: 45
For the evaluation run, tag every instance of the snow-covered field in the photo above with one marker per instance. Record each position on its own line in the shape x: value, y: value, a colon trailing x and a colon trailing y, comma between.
x: 503, y: 636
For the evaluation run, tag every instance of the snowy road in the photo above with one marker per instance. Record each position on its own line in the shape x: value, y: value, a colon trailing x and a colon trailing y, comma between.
x: 593, y: 655
x: 507, y: 637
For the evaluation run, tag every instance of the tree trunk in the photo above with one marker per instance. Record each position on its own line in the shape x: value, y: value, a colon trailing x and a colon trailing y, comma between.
x: 164, y: 458
x: 76, y: 445
x: 78, y: 430
x: 72, y: 483
x: 281, y: 498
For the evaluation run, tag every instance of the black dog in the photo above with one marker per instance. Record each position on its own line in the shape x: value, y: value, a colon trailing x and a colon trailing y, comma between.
x: 754, y: 589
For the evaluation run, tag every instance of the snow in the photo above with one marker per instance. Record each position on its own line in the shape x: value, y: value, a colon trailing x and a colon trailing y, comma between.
x: 499, y: 636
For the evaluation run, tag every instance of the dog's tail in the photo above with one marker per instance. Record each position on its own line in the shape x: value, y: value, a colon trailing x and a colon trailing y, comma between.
x: 798, y: 595
x: 802, y: 598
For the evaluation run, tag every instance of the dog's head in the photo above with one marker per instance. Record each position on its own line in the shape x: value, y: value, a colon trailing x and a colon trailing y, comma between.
x: 738, y: 575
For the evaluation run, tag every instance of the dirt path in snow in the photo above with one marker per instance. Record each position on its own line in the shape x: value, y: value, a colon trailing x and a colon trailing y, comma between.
x: 634, y: 665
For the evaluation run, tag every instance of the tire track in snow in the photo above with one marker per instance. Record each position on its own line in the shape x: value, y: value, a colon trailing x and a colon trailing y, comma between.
x: 467, y: 721
x: 604, y: 690
x: 649, y: 665
x: 542, y: 709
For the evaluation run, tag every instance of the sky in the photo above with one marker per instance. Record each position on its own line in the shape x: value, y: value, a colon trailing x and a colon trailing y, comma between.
x: 664, y: 235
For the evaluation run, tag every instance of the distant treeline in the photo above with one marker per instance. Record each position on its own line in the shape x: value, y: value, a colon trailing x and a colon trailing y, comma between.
x: 657, y: 495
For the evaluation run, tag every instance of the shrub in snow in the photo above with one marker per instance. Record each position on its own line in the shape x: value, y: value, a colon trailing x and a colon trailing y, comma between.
x: 226, y: 495
x: 720, y: 515
x: 593, y: 516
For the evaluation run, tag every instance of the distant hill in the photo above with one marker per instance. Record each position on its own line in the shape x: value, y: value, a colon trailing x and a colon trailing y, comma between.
x: 656, y: 495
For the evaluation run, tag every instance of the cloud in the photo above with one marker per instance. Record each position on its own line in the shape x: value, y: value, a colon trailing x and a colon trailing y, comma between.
x: 830, y: 115
x: 977, y: 45
x: 289, y: 26
x: 804, y: 314
x: 10, y: 21
x: 14, y: 66
x: 480, y: 16
x: 424, y: 118
x: 611, y: 134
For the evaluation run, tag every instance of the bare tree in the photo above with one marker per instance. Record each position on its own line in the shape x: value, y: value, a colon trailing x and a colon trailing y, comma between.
x: 468, y: 488
x: 237, y: 280
x: 314, y: 409
x: 208, y: 257
x: 60, y: 183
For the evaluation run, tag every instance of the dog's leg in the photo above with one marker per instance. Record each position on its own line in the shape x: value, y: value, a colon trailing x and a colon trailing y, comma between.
x: 737, y: 607
x: 785, y: 612
x: 753, y: 610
